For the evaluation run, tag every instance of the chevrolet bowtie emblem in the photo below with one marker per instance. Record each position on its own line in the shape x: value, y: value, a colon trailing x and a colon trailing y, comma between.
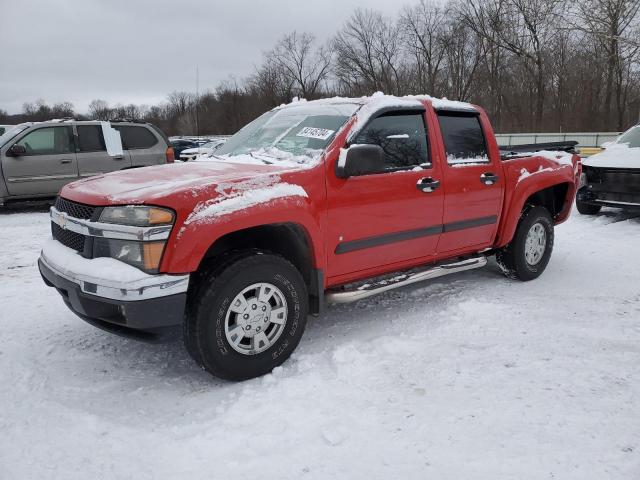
x: 62, y: 220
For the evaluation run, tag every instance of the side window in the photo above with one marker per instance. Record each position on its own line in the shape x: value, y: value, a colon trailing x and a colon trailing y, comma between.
x: 90, y: 138
x: 463, y: 138
x: 134, y: 137
x: 402, y: 136
x: 48, y: 141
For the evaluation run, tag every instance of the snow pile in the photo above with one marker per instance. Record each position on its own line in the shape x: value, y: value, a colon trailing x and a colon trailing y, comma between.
x: 524, y: 173
x: 109, y: 270
x: 617, y: 155
x: 454, y: 161
x: 243, y: 199
x: 560, y: 157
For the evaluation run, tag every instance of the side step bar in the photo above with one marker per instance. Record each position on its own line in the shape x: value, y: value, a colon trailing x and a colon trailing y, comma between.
x: 357, y: 291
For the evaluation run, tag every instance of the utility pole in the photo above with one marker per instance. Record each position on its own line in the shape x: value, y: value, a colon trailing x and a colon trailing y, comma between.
x: 197, y: 101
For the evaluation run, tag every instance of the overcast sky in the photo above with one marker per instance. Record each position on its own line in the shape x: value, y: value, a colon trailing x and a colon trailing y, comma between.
x: 138, y: 51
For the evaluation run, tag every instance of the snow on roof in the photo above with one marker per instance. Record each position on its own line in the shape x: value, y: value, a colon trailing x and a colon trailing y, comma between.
x: 392, y: 100
x: 378, y: 101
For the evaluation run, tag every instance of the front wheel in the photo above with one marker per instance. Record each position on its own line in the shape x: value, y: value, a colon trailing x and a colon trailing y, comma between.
x: 587, y: 209
x: 247, y: 318
x: 527, y: 256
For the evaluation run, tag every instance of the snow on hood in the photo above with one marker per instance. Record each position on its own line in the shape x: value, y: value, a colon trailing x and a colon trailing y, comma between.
x: 617, y: 155
x: 148, y: 184
x: 242, y: 195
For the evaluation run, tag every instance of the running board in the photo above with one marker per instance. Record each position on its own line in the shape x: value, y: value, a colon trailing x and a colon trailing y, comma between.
x: 353, y: 292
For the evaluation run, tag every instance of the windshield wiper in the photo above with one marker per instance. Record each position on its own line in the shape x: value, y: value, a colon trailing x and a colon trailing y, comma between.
x: 267, y: 162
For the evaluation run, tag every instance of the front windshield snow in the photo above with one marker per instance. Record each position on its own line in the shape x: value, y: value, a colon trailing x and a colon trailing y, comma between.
x: 294, y: 134
x: 631, y: 137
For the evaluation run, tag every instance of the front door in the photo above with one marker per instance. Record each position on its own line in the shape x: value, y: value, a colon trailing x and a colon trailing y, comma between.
x: 384, y: 219
x: 48, y: 164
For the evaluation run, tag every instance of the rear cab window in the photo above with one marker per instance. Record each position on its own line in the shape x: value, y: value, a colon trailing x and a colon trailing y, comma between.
x: 402, y: 136
x: 464, y: 140
x: 135, y: 137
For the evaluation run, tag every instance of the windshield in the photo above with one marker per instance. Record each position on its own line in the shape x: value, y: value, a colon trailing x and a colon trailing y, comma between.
x: 11, y: 132
x: 295, y: 134
x: 632, y: 137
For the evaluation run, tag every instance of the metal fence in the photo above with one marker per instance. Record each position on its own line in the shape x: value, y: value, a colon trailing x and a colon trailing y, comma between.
x: 584, y: 139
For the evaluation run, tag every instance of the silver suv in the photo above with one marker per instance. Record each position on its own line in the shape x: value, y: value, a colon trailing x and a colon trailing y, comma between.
x: 37, y: 159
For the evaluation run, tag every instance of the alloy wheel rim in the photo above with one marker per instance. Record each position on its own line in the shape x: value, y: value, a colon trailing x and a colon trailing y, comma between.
x: 256, y: 318
x: 535, y: 244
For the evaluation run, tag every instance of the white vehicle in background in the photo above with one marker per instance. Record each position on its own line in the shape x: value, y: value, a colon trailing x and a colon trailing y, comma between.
x: 612, y: 178
x: 192, y: 153
x: 4, y: 128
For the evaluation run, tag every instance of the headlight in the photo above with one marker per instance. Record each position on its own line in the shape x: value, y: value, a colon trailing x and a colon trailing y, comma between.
x: 583, y: 180
x: 144, y: 255
x: 137, y: 216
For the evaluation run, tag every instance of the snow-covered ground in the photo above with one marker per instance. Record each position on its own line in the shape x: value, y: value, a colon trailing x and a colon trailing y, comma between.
x: 469, y: 377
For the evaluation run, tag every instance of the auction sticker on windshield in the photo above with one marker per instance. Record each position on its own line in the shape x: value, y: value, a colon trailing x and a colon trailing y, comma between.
x: 312, y: 132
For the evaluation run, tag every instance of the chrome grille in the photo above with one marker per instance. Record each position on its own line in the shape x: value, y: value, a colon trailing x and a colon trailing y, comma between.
x: 68, y: 238
x: 74, y: 209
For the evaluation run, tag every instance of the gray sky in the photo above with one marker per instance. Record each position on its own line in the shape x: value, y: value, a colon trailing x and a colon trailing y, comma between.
x: 138, y: 51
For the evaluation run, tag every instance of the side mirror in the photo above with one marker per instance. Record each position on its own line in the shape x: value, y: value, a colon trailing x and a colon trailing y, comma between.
x: 17, y: 150
x: 360, y: 160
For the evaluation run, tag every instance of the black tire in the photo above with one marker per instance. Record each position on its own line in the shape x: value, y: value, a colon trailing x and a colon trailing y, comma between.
x: 208, y: 306
x: 512, y: 259
x: 588, y: 209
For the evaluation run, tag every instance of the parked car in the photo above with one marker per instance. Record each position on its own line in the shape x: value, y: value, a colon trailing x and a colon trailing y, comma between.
x: 324, y: 201
x: 38, y: 159
x: 612, y: 178
x: 181, y: 144
x: 207, y: 148
x: 4, y: 128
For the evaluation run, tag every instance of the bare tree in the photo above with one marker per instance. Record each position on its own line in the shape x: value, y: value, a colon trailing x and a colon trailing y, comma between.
x: 369, y: 54
x: 99, y: 110
x: 424, y: 36
x: 522, y: 27
x: 614, y: 26
x: 302, y: 66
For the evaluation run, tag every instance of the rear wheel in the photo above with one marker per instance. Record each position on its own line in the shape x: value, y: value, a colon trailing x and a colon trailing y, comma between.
x: 587, y: 209
x: 248, y: 317
x: 528, y: 254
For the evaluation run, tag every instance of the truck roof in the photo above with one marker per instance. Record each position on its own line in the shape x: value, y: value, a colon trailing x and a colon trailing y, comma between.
x: 380, y: 100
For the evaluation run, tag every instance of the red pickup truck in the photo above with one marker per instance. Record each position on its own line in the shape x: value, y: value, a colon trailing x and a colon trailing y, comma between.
x: 331, y: 200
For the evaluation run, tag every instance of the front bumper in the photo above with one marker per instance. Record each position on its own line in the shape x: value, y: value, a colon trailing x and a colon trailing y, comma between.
x: 138, y: 308
x: 605, y: 198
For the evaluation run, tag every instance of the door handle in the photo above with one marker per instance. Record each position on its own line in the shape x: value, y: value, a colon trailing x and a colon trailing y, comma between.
x: 118, y: 157
x: 427, y: 184
x: 489, y: 178
x: 66, y: 160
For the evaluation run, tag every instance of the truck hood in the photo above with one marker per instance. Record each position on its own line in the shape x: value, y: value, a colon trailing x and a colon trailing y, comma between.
x: 618, y: 155
x: 158, y: 183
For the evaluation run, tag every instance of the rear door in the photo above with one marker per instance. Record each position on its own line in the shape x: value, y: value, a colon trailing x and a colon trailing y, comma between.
x: 473, y: 186
x: 145, y: 146
x: 93, y: 158
x: 376, y: 222
x: 48, y: 164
